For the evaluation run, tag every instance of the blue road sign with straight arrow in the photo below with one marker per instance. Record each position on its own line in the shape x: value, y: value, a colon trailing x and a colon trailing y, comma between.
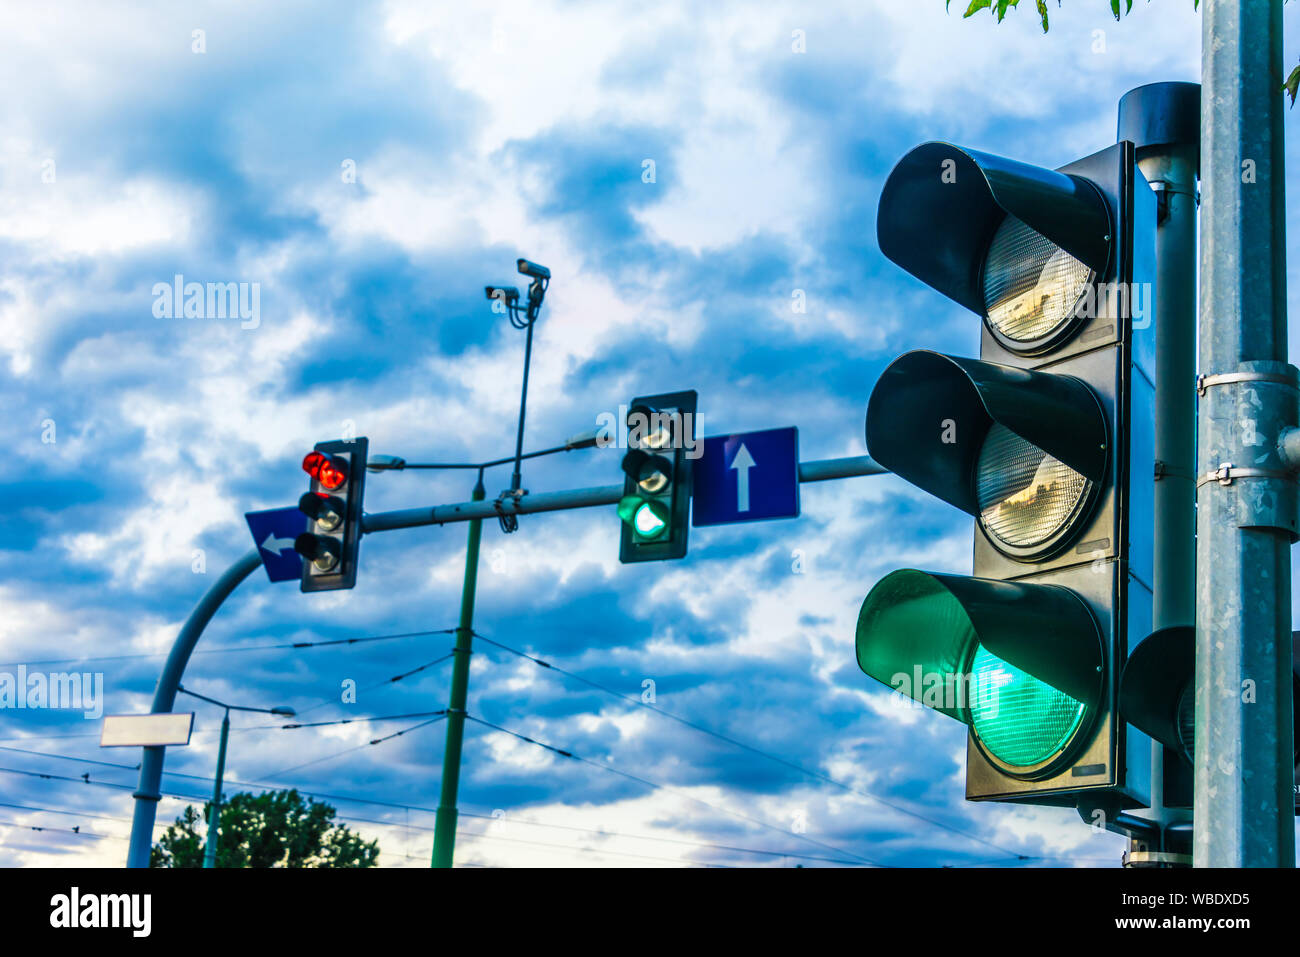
x: 747, y: 477
x: 273, y: 533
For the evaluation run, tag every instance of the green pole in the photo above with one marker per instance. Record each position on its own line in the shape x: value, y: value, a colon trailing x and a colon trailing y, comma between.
x: 444, y: 831
x: 214, y: 815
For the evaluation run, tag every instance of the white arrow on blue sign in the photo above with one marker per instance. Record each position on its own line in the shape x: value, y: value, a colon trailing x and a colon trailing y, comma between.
x: 747, y: 477
x: 273, y: 533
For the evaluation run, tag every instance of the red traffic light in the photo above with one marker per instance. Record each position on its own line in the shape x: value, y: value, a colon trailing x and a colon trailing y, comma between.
x: 330, y: 470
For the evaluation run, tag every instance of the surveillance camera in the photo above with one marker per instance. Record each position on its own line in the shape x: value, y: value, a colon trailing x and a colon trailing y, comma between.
x: 509, y: 293
x: 534, y: 270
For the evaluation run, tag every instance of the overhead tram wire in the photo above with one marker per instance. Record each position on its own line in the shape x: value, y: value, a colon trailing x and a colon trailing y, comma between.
x: 428, y: 810
x: 53, y: 810
x: 63, y: 830
x: 329, y: 757
x: 748, y: 747
x: 406, y: 825
x: 263, y: 779
x: 639, y: 780
x: 519, y: 822
x: 235, y: 649
x: 261, y: 727
x: 479, y: 834
x: 588, y: 850
x: 313, y: 724
x: 667, y: 790
x: 438, y: 716
x: 385, y: 682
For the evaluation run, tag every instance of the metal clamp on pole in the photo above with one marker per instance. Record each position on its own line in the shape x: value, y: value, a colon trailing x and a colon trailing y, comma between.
x: 1256, y: 410
x: 1227, y: 473
x: 1204, y: 382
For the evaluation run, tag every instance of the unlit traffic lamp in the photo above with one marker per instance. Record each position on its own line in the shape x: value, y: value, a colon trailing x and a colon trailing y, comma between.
x: 1158, y: 695
x: 333, y: 508
x: 1046, y: 441
x: 655, y: 508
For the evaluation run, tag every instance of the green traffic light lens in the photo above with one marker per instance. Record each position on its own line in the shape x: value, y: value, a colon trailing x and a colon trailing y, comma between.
x: 1016, y: 718
x: 648, y: 517
x: 1026, y: 497
x: 648, y: 522
x: 1031, y: 285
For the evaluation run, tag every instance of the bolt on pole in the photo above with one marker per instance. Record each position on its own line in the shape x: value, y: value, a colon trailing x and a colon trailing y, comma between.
x: 1246, y: 495
x: 444, y: 832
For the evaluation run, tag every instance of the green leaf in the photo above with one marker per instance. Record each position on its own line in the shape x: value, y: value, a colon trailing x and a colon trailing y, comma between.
x: 1292, y: 84
x: 976, y: 5
x: 1114, y: 8
x: 1042, y: 12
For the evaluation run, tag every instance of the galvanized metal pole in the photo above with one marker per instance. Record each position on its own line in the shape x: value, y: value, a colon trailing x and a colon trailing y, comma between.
x: 1163, y: 121
x: 214, y: 815
x: 821, y: 470
x: 1246, y: 496
x: 444, y: 830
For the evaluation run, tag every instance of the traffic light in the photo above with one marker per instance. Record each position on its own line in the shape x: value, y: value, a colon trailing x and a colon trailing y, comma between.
x: 1158, y: 695
x: 1047, y: 440
x: 656, y: 504
x: 333, y: 507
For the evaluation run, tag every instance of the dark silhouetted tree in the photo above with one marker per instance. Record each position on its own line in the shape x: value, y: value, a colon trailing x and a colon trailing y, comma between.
x: 274, y: 829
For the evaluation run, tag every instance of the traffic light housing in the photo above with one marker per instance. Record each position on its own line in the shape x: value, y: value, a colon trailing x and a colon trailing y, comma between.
x: 655, y: 509
x: 1158, y: 695
x: 1047, y: 441
x: 332, y: 505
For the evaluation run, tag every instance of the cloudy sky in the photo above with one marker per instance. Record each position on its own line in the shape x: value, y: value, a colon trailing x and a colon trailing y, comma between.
x: 139, y: 149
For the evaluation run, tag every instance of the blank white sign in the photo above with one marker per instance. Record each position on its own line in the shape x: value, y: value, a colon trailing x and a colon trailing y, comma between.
x: 145, y: 730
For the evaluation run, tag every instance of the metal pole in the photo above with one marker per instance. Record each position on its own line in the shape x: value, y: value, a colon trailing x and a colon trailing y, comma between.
x: 444, y: 832
x: 517, y: 480
x: 214, y: 814
x: 1163, y: 122
x: 817, y: 471
x: 147, y: 794
x: 1246, y: 499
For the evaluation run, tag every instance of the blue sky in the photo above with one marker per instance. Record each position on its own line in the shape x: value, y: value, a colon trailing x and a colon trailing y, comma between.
x: 478, y: 135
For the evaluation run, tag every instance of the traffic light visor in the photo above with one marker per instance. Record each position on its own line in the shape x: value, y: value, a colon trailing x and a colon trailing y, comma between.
x: 651, y: 473
x: 1024, y: 452
x: 1021, y: 664
x: 1154, y: 690
x: 944, y: 210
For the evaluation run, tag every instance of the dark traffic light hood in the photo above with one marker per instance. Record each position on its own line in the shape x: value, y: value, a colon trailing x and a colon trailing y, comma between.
x: 942, y: 204
x: 929, y: 413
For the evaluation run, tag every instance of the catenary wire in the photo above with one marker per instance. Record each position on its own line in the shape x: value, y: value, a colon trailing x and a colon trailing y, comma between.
x: 747, y: 747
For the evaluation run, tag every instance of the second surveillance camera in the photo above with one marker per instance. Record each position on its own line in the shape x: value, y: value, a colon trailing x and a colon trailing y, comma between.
x: 509, y: 293
x: 534, y: 270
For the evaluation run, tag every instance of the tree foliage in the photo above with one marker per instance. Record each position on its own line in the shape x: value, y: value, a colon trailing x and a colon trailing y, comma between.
x: 999, y: 9
x: 274, y: 829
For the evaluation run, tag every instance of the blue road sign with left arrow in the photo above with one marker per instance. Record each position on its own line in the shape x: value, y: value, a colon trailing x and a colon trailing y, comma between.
x: 748, y: 477
x: 273, y: 533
